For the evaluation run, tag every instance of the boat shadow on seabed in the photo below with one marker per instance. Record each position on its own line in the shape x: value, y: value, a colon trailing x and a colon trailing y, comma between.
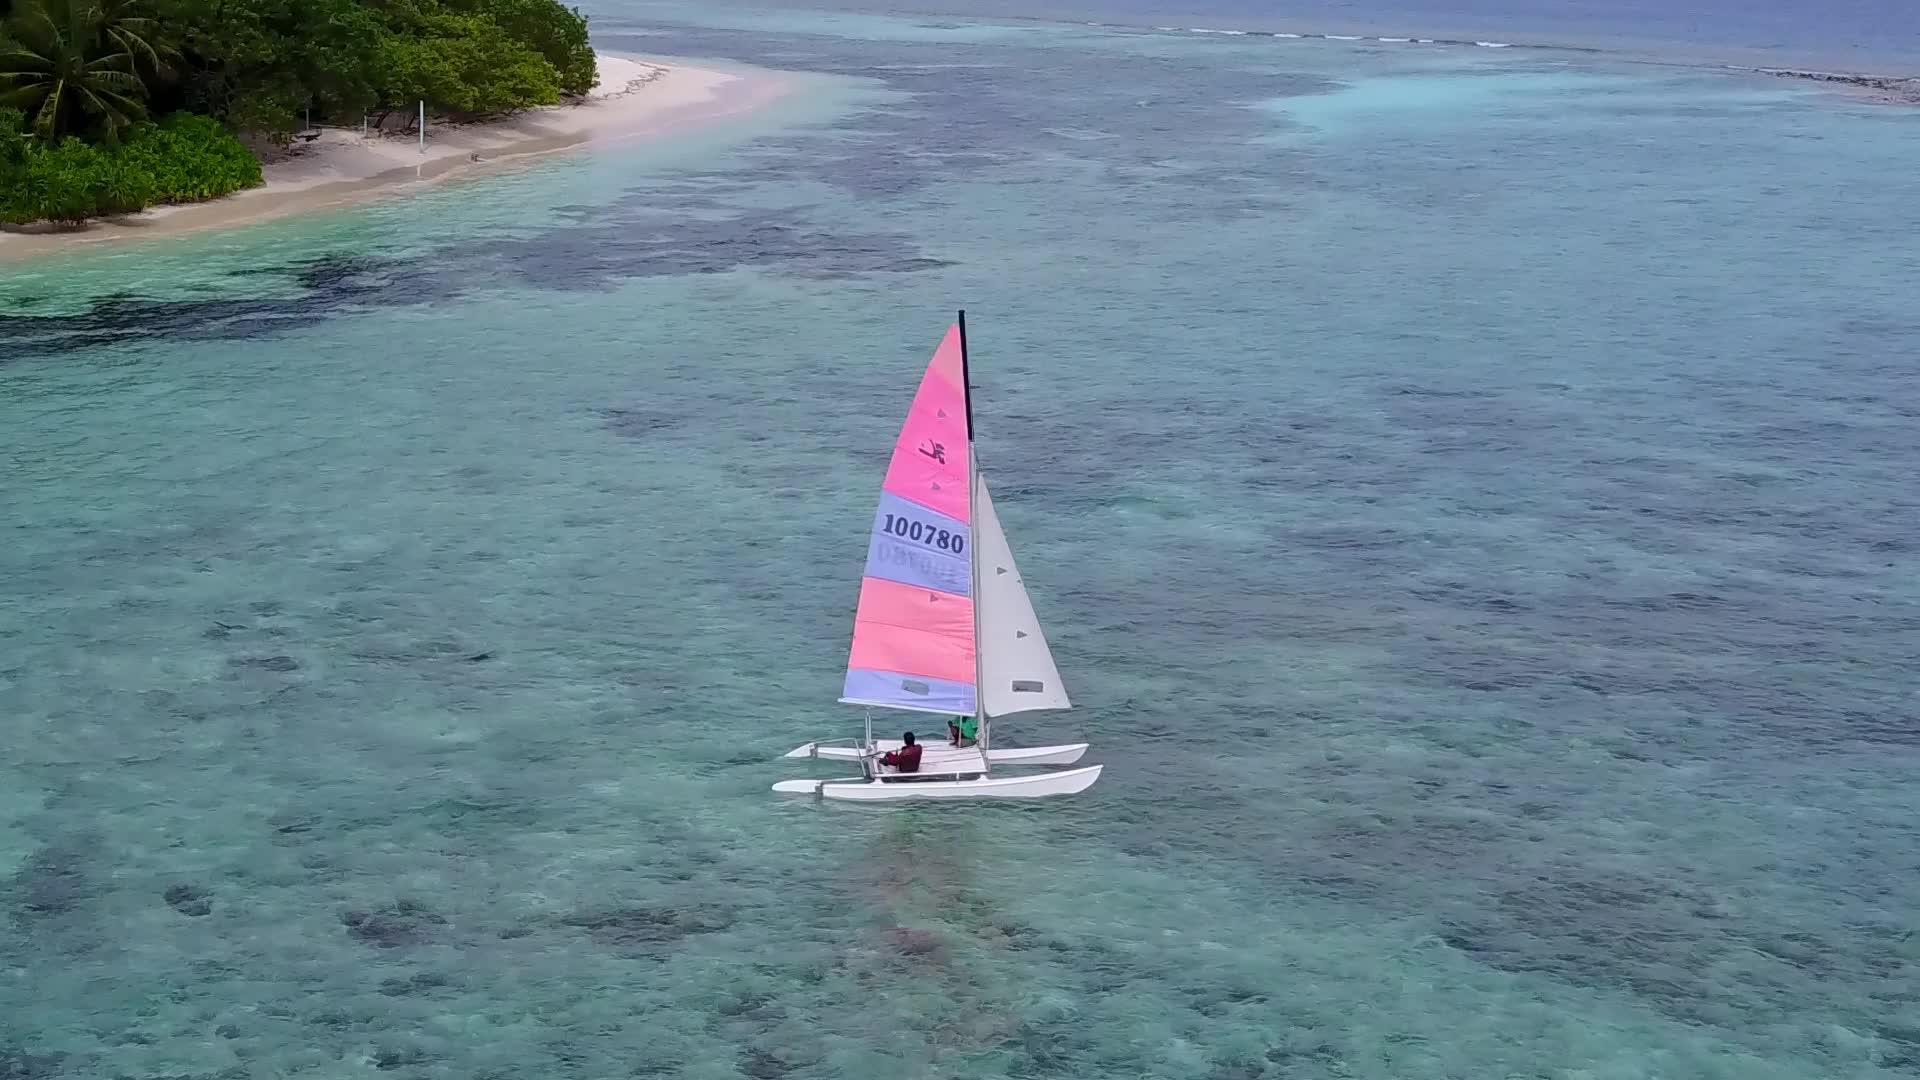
x: 933, y: 927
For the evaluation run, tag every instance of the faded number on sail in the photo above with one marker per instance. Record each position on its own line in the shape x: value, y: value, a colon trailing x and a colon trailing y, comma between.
x: 913, y: 634
x: 1017, y: 673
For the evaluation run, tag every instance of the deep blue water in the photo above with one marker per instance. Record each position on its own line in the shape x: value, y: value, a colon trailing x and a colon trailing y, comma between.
x: 1469, y: 493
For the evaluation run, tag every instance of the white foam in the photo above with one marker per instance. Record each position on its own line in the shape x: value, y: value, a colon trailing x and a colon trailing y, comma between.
x: 1322, y: 37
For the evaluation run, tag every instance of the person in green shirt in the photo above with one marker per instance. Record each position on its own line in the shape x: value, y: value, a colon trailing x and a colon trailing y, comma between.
x: 962, y: 730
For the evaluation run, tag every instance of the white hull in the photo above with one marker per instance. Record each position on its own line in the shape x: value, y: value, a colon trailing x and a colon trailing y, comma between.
x: 861, y: 789
x: 1065, y: 754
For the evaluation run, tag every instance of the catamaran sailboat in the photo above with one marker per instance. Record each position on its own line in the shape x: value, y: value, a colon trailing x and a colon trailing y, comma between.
x: 944, y: 624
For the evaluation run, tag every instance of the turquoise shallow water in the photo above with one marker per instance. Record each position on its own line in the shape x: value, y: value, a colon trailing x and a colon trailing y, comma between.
x: 1468, y: 492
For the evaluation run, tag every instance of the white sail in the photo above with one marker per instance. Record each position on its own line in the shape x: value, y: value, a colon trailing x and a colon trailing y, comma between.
x: 1017, y: 673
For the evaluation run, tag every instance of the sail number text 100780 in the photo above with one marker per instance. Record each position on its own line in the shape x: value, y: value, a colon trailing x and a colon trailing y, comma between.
x: 922, y: 533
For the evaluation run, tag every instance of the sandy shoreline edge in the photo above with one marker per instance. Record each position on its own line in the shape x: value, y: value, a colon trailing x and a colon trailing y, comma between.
x: 635, y: 98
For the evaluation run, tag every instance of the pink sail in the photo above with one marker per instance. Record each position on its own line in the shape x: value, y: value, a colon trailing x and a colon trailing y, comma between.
x: 913, y: 634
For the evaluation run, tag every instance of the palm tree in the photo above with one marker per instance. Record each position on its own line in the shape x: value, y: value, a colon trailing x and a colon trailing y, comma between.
x: 137, y: 35
x: 75, y: 60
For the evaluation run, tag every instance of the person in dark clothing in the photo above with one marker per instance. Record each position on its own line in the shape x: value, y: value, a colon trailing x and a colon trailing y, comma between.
x: 905, y: 759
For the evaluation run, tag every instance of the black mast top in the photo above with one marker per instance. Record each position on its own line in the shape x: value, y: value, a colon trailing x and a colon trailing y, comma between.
x: 966, y: 378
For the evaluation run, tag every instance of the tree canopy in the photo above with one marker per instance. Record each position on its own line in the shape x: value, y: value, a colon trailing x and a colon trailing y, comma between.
x: 84, y: 75
x: 260, y: 64
x: 76, y: 66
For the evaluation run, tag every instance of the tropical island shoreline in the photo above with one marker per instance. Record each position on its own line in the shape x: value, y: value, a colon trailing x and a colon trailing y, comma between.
x: 635, y: 98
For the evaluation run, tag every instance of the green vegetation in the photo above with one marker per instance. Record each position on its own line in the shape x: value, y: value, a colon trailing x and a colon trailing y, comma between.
x: 76, y: 65
x: 84, y: 75
x: 184, y: 158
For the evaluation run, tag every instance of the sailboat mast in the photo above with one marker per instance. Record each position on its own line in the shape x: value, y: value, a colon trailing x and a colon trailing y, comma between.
x: 966, y: 380
x: 973, y: 554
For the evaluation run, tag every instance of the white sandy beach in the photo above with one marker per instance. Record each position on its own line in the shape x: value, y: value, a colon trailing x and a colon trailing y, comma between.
x: 635, y: 98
